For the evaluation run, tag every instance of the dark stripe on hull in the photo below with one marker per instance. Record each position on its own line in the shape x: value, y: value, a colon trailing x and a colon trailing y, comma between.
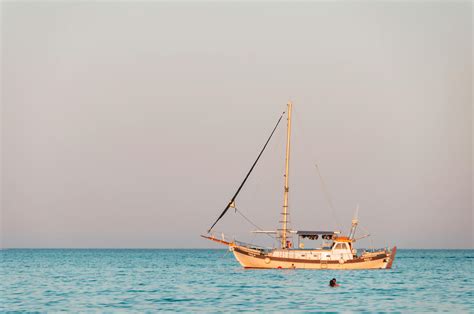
x: 297, y: 260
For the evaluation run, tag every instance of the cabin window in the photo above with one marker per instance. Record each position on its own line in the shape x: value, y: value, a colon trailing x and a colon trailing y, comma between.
x: 341, y: 246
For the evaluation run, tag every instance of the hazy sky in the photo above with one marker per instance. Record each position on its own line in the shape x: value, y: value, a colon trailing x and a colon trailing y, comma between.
x: 132, y: 124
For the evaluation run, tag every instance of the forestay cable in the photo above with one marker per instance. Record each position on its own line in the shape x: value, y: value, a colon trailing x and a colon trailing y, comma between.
x: 231, y: 203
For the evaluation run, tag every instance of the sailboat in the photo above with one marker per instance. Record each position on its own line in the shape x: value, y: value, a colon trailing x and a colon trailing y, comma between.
x: 337, y: 251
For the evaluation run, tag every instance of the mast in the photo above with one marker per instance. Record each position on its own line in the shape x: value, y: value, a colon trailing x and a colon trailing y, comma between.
x: 286, y: 190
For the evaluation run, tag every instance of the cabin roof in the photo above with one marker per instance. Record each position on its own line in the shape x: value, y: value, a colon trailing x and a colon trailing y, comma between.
x: 343, y: 239
x: 313, y: 233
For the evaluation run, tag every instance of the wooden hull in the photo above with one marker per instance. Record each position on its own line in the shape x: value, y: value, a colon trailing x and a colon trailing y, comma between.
x: 253, y: 259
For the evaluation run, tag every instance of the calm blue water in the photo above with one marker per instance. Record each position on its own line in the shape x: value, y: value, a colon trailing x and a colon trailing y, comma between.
x: 212, y: 281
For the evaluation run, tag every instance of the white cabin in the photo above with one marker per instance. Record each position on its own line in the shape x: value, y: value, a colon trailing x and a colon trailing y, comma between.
x: 340, y: 250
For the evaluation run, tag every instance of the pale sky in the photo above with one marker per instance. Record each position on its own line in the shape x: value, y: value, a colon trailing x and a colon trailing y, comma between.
x: 132, y: 124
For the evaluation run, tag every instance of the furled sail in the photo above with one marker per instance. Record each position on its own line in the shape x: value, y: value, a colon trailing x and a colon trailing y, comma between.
x: 232, y: 201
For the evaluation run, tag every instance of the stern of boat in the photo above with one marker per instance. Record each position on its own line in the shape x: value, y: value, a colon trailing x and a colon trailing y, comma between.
x: 391, y: 258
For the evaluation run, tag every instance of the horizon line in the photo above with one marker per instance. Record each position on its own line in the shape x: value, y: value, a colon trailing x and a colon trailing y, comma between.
x: 177, y: 248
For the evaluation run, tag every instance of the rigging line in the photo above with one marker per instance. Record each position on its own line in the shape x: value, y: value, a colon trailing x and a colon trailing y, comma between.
x: 251, y: 222
x: 312, y: 154
x: 367, y: 232
x: 327, y: 196
x: 231, y: 203
x: 256, y: 188
x: 246, y: 218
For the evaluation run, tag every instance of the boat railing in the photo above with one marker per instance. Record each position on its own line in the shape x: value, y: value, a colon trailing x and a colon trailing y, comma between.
x: 252, y: 246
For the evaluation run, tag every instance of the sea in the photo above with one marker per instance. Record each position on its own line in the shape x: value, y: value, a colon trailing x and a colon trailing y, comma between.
x: 201, y: 280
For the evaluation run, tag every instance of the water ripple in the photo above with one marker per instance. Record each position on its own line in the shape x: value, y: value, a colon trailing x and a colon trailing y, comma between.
x: 212, y: 281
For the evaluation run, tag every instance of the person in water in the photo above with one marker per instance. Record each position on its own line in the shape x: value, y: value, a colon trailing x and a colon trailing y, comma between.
x: 333, y: 283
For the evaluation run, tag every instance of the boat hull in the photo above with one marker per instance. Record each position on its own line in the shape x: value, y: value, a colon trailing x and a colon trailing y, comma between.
x: 252, y: 259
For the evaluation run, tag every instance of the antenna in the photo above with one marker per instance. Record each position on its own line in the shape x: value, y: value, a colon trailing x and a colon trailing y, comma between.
x: 356, y: 213
x: 355, y: 222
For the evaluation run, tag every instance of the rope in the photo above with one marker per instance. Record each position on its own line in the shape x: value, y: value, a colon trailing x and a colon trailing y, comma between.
x: 251, y: 222
x: 323, y: 184
x: 247, y: 176
x: 327, y: 196
x: 225, y: 254
x: 248, y: 220
x: 370, y: 238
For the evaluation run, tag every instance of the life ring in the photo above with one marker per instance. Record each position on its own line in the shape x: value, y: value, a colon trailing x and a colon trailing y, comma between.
x: 267, y: 260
